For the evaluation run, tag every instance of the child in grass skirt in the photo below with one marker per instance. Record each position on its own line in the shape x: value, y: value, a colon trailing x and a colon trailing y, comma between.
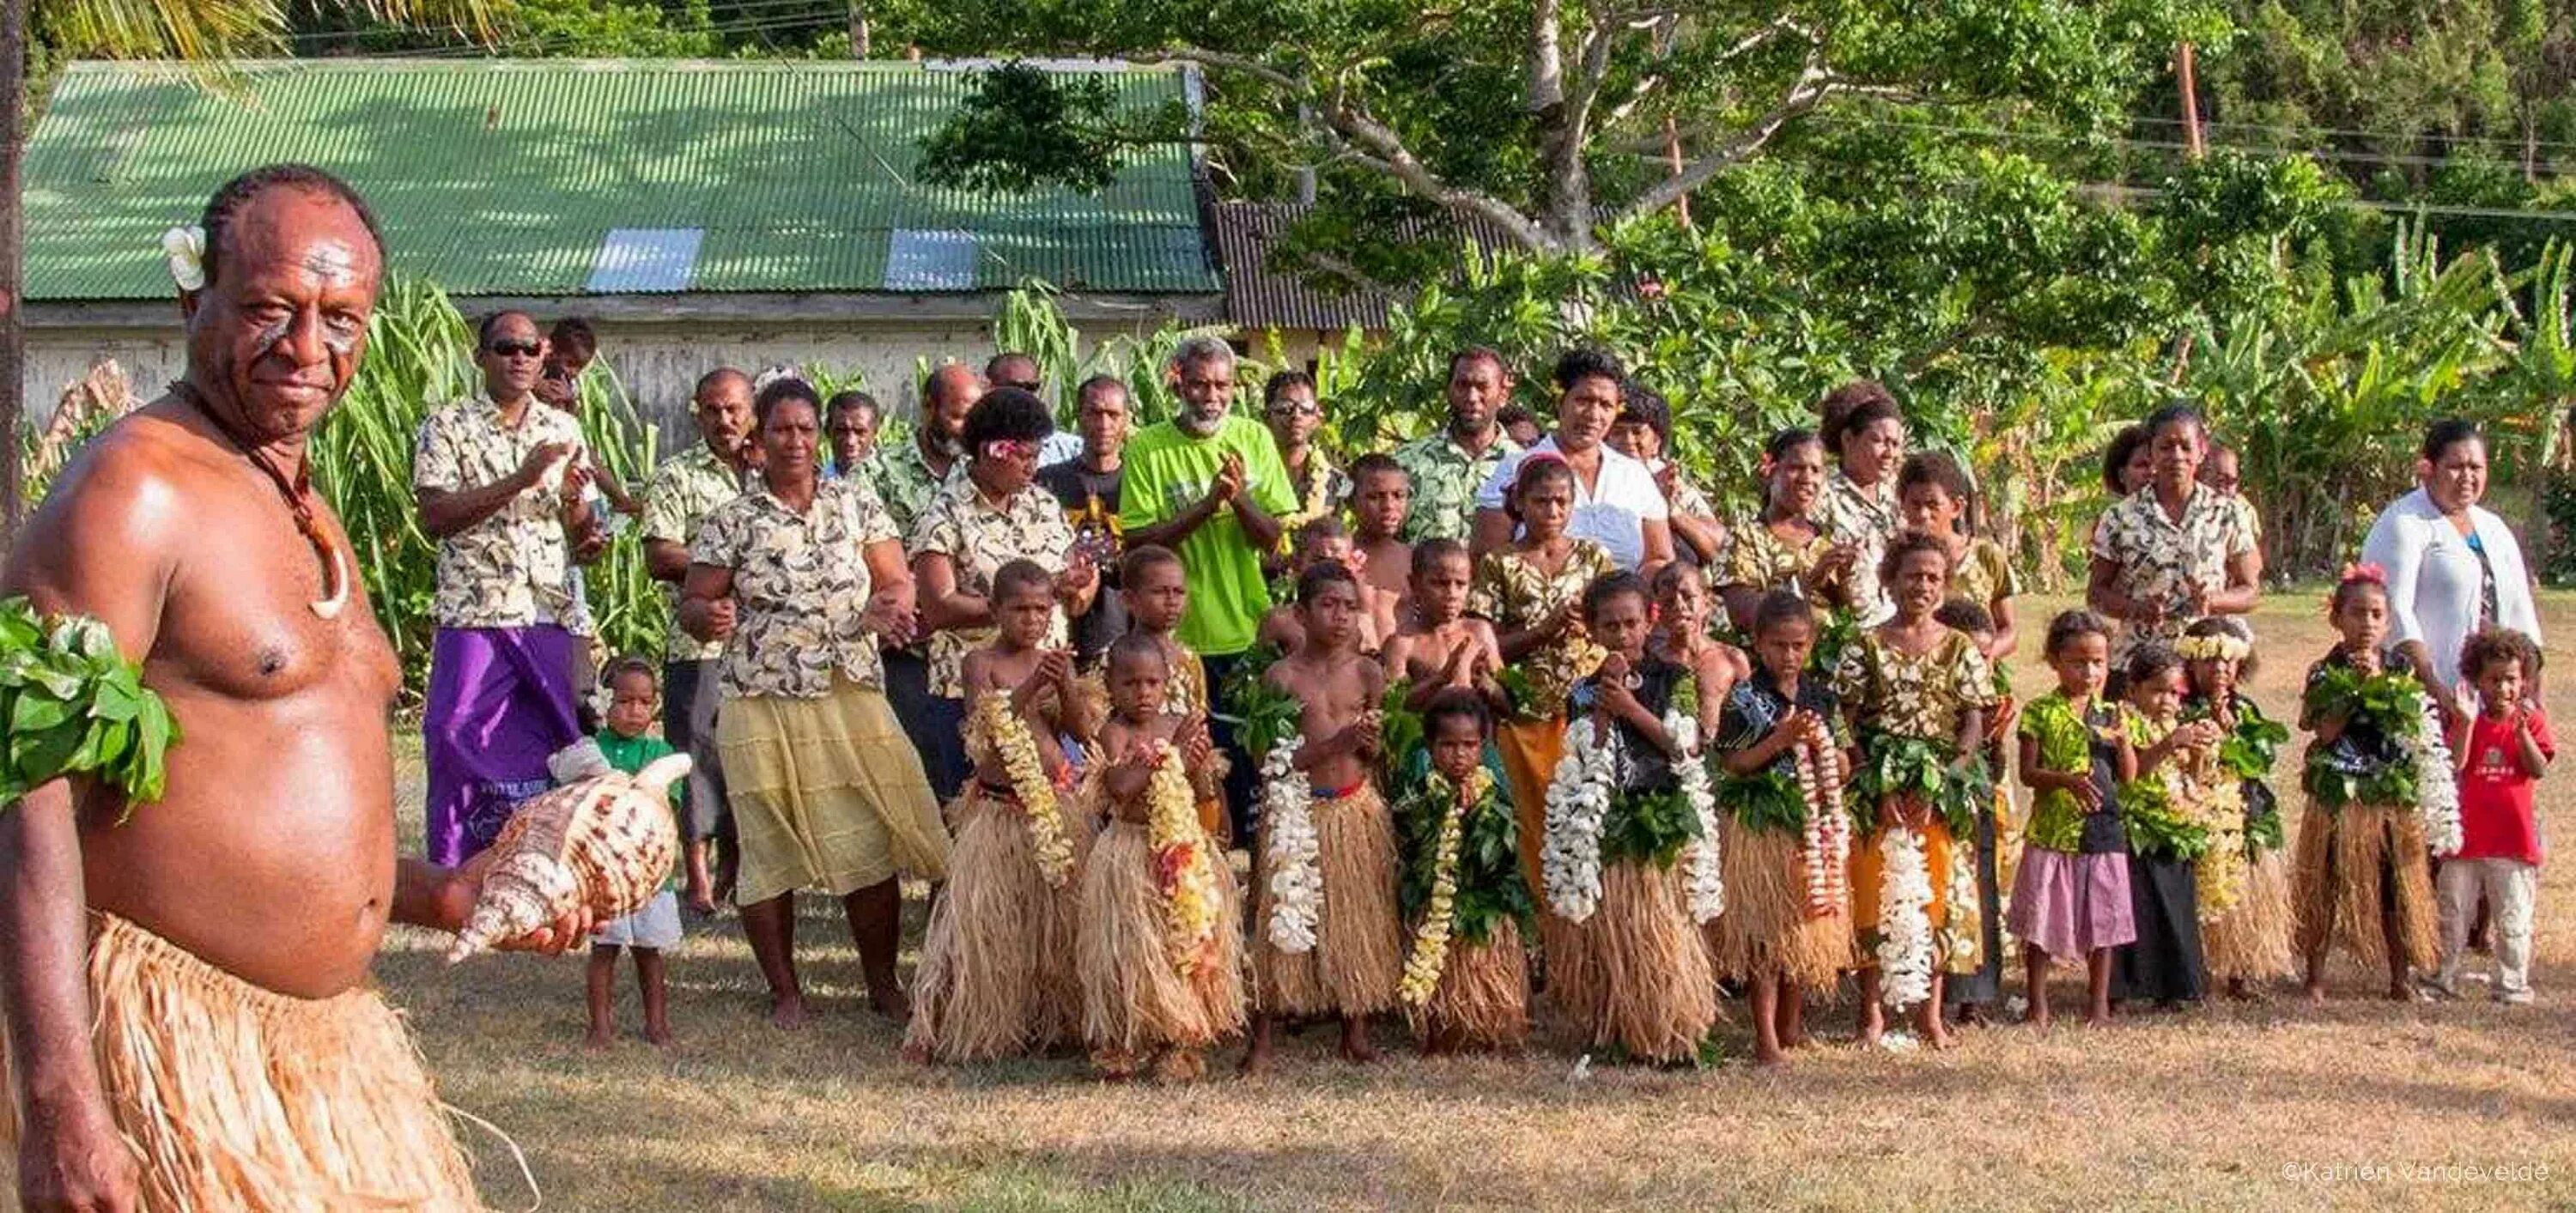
x: 1327, y: 937
x: 2361, y: 876
x: 1466, y: 975
x: 1786, y: 839
x: 1631, y: 857
x: 2246, y: 923
x: 997, y: 965
x: 1917, y: 693
x: 1159, y: 956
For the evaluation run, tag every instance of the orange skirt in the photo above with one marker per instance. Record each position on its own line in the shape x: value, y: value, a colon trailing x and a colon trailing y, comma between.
x: 1530, y: 750
x: 1867, y: 871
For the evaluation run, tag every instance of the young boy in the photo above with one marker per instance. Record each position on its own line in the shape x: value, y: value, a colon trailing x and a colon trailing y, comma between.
x: 1381, y: 499
x: 635, y: 703
x: 1440, y: 646
x: 996, y: 976
x: 1466, y: 975
x: 2501, y: 753
x: 1326, y: 834
x: 1324, y: 541
x: 1157, y: 593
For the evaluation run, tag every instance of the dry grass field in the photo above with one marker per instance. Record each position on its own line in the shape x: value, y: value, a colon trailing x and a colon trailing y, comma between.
x: 2257, y: 1105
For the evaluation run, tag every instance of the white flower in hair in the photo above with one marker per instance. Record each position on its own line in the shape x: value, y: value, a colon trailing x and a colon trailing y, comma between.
x: 185, y: 249
x: 760, y: 383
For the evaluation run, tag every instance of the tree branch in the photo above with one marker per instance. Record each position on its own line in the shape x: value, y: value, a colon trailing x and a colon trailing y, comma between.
x: 1546, y: 60
x: 1814, y: 85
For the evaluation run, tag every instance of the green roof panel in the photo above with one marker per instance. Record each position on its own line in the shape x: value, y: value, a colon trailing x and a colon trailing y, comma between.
x: 505, y: 177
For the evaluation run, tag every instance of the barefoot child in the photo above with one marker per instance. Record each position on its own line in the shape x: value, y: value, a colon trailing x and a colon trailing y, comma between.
x: 2164, y: 807
x: 2247, y: 937
x: 1327, y: 939
x: 1442, y: 648
x: 1160, y: 952
x: 1157, y: 594
x: 1381, y: 499
x: 996, y: 976
x: 1466, y: 976
x: 1786, y: 838
x: 635, y: 703
x: 2071, y: 897
x: 1917, y: 693
x: 1632, y: 860
x: 2359, y: 877
x: 2502, y: 752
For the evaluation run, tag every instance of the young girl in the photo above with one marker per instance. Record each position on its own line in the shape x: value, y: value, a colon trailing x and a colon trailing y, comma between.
x: 634, y: 704
x: 1441, y: 647
x: 1917, y: 694
x: 1966, y: 996
x: 1157, y: 594
x: 2164, y: 805
x: 2246, y: 933
x: 1328, y: 940
x: 1933, y: 494
x: 1628, y: 859
x: 1532, y: 594
x: 2502, y: 752
x: 1786, y: 839
x: 996, y: 975
x: 1784, y: 548
x: 1466, y: 977
x: 2071, y: 897
x: 1160, y: 952
x: 2360, y: 876
x: 1681, y: 635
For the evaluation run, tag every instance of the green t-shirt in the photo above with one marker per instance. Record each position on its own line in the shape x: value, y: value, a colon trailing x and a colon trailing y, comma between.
x: 1167, y: 471
x: 632, y: 754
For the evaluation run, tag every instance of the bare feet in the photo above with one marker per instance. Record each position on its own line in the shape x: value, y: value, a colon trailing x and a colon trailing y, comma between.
x: 787, y: 1012
x: 1769, y: 1057
x: 1256, y: 1059
x: 2037, y: 1016
x: 915, y: 1053
x: 1355, y: 1042
x: 891, y: 1003
x: 599, y: 1037
x: 1935, y: 1034
x: 2400, y: 992
x: 658, y: 1035
x: 2316, y: 991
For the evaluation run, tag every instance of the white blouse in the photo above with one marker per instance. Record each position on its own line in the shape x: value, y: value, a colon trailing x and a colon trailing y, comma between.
x: 2434, y: 578
x: 1612, y: 513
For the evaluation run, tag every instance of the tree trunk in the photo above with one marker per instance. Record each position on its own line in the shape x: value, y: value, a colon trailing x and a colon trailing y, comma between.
x: 859, y: 37
x: 13, y: 334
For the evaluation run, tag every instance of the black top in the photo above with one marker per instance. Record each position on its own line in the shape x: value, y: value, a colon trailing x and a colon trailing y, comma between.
x: 2103, y: 833
x: 1090, y: 501
x: 1640, y: 765
x: 1756, y: 706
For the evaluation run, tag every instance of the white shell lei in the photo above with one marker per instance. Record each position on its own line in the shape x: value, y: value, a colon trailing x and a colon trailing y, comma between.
x: 1706, y: 864
x: 1905, y: 951
x: 1294, y: 857
x: 2437, y: 785
x: 1578, y: 798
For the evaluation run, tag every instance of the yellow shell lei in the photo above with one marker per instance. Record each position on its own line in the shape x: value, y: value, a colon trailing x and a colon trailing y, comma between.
x: 1182, y: 866
x: 1019, y: 752
x: 1430, y: 953
x: 2219, y: 873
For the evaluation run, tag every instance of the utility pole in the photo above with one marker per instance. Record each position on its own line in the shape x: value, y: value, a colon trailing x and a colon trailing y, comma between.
x: 2190, y: 102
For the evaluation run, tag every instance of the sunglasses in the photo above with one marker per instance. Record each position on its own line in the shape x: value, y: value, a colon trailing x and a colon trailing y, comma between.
x: 1297, y: 408
x: 515, y: 349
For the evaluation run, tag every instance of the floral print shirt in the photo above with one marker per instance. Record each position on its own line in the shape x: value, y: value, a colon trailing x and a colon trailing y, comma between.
x: 1445, y: 480
x: 801, y: 588
x: 1865, y: 519
x: 1321, y: 490
x: 902, y: 478
x: 677, y: 499
x: 1510, y: 592
x: 1911, y: 696
x: 978, y: 538
x: 513, y: 569
x: 1984, y: 574
x: 1758, y: 559
x: 2160, y: 558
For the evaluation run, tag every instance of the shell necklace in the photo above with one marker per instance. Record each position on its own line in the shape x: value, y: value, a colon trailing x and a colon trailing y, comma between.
x: 298, y: 493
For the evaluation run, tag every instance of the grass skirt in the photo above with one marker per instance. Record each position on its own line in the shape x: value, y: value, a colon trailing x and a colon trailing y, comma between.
x: 827, y: 794
x: 2252, y: 941
x: 997, y: 974
x: 1765, y: 927
x: 1134, y: 1003
x: 232, y: 1097
x: 2356, y: 866
x: 1639, y: 976
x: 1482, y: 1001
x: 1358, y: 957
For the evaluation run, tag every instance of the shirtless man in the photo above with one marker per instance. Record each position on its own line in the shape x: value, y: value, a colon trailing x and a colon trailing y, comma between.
x: 262, y: 881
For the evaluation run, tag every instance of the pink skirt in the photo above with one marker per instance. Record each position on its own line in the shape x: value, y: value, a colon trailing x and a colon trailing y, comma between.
x: 2069, y: 905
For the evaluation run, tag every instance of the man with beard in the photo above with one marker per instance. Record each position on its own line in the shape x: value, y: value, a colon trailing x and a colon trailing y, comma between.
x: 907, y: 476
x: 1209, y: 486
x: 500, y: 481
x: 1448, y: 467
x: 189, y: 1019
x: 677, y: 500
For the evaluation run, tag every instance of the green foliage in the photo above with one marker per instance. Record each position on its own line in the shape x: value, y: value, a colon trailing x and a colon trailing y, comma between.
x: 1768, y: 799
x: 2156, y: 825
x: 1892, y: 766
x: 1264, y: 714
x: 1025, y: 130
x: 2254, y: 747
x: 1648, y: 827
x: 1031, y: 320
x: 2390, y: 703
x: 75, y: 706
x: 1400, y: 728
x: 1490, y: 885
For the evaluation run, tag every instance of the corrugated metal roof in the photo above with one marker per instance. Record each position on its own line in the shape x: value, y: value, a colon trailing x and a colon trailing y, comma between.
x: 1261, y: 294
x: 505, y: 177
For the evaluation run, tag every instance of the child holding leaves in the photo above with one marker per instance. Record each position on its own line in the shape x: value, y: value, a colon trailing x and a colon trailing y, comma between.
x: 2246, y: 925
x: 1466, y: 976
x: 2165, y: 806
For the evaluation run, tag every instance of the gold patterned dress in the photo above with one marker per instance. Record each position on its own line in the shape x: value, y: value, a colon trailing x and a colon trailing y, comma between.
x: 1898, y: 700
x: 1512, y: 593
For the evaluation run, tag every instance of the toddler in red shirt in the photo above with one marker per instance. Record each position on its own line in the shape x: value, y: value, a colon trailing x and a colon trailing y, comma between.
x: 2502, y: 752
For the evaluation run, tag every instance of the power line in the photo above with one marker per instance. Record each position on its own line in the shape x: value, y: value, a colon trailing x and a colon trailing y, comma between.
x: 2352, y: 133
x: 2335, y: 155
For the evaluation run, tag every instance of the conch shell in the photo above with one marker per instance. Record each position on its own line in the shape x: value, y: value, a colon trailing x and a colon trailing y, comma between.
x: 607, y: 841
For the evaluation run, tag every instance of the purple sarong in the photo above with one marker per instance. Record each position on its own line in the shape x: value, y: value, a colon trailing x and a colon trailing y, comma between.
x: 500, y: 702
